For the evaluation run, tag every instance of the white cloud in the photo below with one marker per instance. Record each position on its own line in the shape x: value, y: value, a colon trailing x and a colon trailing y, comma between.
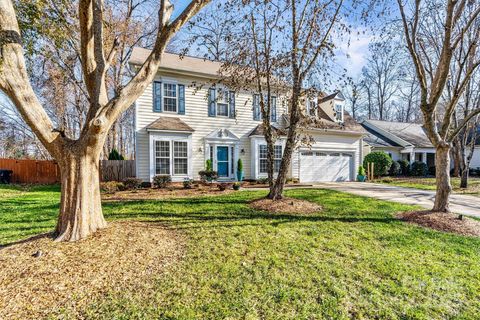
x: 352, y: 51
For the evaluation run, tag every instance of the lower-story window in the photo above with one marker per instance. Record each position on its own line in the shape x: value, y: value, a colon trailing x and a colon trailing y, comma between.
x: 180, y: 158
x: 162, y: 157
x: 168, y: 152
x: 262, y: 156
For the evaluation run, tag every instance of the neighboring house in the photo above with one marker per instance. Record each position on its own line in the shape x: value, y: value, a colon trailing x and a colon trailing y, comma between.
x: 401, y: 140
x: 183, y: 118
x: 405, y: 141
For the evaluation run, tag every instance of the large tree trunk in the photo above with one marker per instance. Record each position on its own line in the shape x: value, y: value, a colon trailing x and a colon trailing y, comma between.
x: 444, y: 188
x: 80, y: 207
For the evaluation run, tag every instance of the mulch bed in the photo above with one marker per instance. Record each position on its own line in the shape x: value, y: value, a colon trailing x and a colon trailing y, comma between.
x: 173, y: 191
x: 38, y: 276
x: 447, y: 222
x: 286, y: 205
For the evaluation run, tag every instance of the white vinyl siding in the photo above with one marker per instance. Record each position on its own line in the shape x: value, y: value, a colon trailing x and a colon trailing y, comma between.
x: 196, y: 102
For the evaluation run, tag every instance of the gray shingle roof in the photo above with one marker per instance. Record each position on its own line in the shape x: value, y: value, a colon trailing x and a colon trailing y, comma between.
x: 413, y: 133
x: 375, y: 139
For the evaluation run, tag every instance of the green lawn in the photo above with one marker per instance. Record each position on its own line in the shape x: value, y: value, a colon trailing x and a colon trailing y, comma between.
x: 429, y: 184
x: 353, y: 260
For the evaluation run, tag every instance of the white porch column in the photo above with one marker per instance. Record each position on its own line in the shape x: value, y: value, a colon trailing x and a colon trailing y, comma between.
x: 424, y: 157
x: 412, y: 157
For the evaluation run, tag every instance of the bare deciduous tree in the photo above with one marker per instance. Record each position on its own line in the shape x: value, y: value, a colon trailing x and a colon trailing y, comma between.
x: 435, y: 31
x: 80, y: 208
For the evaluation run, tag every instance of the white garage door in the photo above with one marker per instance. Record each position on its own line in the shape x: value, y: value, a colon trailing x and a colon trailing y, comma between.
x: 325, y: 166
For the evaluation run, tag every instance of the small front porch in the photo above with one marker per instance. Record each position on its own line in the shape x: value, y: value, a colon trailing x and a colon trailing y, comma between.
x: 426, y: 155
x: 222, y: 148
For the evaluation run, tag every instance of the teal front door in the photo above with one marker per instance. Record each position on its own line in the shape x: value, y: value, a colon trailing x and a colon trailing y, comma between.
x: 222, y: 161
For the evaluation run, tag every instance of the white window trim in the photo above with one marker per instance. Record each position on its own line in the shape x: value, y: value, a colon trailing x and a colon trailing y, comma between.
x: 266, y: 158
x: 171, y: 137
x: 170, y: 97
x: 172, y: 156
x: 342, y: 112
x: 233, y: 147
x: 169, y: 157
x: 255, y: 162
x: 227, y: 92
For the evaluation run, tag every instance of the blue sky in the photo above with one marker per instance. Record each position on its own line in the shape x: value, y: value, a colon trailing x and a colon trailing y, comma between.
x: 351, y: 54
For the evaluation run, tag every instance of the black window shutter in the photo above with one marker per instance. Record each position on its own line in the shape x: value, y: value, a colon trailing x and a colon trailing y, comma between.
x: 212, y: 112
x: 181, y: 99
x: 157, y: 96
x: 232, y: 104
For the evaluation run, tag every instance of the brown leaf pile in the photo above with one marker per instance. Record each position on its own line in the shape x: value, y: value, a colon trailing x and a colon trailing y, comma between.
x: 39, y: 276
x: 447, y: 222
x: 286, y: 205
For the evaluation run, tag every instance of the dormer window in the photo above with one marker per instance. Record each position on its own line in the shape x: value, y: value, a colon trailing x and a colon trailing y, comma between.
x: 338, y: 112
x: 312, y: 108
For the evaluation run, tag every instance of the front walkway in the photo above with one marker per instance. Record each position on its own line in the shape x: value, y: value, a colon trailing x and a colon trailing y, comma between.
x: 464, y: 204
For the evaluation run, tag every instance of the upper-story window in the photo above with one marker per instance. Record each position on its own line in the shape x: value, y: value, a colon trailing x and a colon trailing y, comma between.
x: 312, y: 107
x: 339, y: 112
x: 221, y: 102
x: 257, y: 113
x: 168, y: 97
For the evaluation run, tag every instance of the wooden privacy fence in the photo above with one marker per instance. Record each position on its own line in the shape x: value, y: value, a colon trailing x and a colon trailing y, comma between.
x: 116, y: 170
x: 32, y: 171
x: 48, y: 172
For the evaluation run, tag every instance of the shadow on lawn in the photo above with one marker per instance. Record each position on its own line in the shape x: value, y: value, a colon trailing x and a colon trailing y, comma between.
x: 198, y: 213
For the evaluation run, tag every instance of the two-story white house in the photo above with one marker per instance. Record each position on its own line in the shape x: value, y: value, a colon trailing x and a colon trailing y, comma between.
x: 182, y: 119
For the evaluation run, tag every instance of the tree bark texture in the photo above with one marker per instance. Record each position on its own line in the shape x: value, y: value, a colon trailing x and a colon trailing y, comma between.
x: 444, y: 189
x: 80, y: 205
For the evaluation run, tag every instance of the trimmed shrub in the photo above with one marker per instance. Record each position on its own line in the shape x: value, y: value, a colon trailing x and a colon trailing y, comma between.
x: 187, y: 183
x: 161, y: 180
x: 361, y: 171
x: 404, y: 167
x: 419, y: 169
x: 236, y: 186
x: 208, y: 175
x: 115, y: 155
x: 209, y: 165
x: 240, y: 165
x: 132, y: 183
x: 111, y: 186
x: 223, y: 186
x: 262, y: 181
x: 395, y: 169
x: 381, y: 161
x: 432, y: 171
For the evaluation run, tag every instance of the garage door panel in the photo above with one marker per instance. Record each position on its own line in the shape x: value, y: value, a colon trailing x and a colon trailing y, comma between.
x: 325, y: 166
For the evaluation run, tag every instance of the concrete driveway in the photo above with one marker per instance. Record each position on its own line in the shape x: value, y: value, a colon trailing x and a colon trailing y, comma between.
x: 464, y: 204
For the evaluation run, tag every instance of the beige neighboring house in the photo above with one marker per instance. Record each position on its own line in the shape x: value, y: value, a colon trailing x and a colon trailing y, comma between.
x: 403, y: 140
x: 182, y: 119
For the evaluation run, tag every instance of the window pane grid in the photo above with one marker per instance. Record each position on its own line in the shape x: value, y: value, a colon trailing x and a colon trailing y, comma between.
x: 180, y: 157
x: 263, y: 163
x: 162, y: 157
x: 170, y: 97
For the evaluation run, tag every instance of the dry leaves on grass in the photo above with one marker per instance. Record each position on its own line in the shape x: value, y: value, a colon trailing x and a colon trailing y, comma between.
x: 69, y: 275
x: 286, y: 205
x: 447, y: 222
x: 165, y: 193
